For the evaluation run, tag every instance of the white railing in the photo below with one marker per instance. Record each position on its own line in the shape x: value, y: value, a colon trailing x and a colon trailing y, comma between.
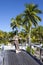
x: 12, y: 47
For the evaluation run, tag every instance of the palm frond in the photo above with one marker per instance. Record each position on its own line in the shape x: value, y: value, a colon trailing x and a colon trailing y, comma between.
x: 38, y: 11
x: 34, y: 7
x: 37, y: 18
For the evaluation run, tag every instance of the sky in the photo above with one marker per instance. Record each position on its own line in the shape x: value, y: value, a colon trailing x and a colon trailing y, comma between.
x: 11, y: 8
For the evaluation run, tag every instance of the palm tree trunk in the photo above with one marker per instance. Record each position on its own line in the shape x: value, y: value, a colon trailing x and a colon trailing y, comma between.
x: 30, y: 36
x: 30, y: 39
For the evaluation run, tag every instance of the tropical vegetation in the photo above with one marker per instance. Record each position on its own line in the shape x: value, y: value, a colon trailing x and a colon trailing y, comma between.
x: 22, y: 25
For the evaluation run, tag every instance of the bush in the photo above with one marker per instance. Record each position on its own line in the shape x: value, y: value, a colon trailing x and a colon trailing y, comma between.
x: 28, y: 49
x: 33, y: 51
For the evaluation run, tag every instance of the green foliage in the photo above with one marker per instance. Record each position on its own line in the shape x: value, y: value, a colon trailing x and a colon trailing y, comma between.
x: 15, y: 24
x: 3, y: 37
x: 37, y: 34
x: 33, y: 51
x: 30, y: 17
x: 28, y: 49
x: 25, y: 20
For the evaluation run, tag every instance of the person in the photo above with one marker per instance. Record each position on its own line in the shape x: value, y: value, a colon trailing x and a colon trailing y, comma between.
x: 16, y: 43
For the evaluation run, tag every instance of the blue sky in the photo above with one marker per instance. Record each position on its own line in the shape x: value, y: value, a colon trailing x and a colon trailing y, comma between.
x: 11, y: 8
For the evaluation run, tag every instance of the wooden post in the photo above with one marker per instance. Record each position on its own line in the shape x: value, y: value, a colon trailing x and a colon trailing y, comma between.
x: 40, y: 53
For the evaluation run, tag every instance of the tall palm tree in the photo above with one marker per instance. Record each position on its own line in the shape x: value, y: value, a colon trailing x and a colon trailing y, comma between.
x: 30, y: 17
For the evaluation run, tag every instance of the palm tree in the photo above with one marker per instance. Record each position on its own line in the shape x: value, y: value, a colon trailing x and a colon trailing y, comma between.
x: 3, y: 37
x: 15, y: 23
x: 30, y: 17
x: 40, y: 33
